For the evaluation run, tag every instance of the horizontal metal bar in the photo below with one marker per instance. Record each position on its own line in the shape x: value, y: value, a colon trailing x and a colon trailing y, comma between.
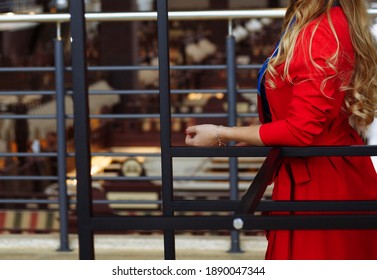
x: 175, y: 178
x: 179, y: 151
x: 54, y: 18
x: 124, y: 116
x: 249, y: 66
x: 27, y: 92
x: 277, y: 206
x: 55, y: 201
x: 172, y: 67
x: 218, y: 90
x: 176, y: 67
x: 27, y: 69
x: 155, y: 68
x: 248, y: 115
x: 226, y: 222
x: 123, y: 68
x: 28, y: 178
x: 263, y: 151
x: 247, y: 90
x: 230, y: 206
x: 50, y: 154
x: 131, y: 68
x: 131, y: 91
x: 22, y: 117
x: 152, y: 16
x: 125, y: 154
x: 25, y: 201
x: 124, y: 178
x: 321, y: 206
x: 146, y: 16
x: 155, y: 91
x: 205, y: 178
x: 220, y: 151
x: 131, y: 116
x: 370, y: 150
x: 142, y: 116
x: 158, y: 178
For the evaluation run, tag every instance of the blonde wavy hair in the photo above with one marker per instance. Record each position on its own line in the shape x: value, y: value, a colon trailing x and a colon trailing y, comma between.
x: 361, y: 90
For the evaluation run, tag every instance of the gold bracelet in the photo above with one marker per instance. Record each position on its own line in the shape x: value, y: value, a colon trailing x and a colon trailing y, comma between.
x: 221, y: 143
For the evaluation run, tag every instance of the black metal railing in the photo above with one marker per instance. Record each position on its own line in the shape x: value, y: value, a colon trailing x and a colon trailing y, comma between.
x: 240, y: 211
x: 169, y: 223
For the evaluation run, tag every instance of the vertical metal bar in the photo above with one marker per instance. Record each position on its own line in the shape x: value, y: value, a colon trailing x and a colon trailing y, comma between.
x: 81, y: 130
x: 230, y: 27
x: 58, y: 31
x: 62, y: 146
x: 232, y: 121
x: 165, y: 120
x: 231, y: 81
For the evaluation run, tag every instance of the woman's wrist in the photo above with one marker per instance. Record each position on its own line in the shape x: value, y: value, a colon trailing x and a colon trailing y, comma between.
x: 244, y: 134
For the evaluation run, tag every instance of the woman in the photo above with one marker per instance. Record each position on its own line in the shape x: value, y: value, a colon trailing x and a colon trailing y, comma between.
x: 320, y: 79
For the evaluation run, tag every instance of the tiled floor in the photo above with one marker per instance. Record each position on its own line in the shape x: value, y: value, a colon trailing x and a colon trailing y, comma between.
x: 126, y: 247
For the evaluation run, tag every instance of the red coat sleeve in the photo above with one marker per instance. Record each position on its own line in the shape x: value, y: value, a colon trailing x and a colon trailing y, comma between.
x: 312, y: 104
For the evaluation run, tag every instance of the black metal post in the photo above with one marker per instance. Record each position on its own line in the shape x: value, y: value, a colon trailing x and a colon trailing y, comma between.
x: 232, y: 121
x: 81, y: 130
x: 62, y: 146
x: 165, y: 121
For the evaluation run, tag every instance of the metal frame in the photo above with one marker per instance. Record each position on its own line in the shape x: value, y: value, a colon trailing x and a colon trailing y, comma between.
x: 89, y: 224
x: 168, y: 222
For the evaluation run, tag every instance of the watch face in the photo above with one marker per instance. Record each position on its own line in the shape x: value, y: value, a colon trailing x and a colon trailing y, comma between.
x: 132, y: 168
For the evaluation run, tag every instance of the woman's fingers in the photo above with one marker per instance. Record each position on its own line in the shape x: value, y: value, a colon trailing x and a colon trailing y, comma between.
x: 191, y: 130
x: 190, y: 134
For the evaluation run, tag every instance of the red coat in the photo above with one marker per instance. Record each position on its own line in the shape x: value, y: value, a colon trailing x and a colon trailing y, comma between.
x: 303, y: 115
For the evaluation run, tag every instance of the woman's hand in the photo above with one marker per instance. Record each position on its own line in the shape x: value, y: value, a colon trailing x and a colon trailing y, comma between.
x: 207, y: 135
x: 202, y: 135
